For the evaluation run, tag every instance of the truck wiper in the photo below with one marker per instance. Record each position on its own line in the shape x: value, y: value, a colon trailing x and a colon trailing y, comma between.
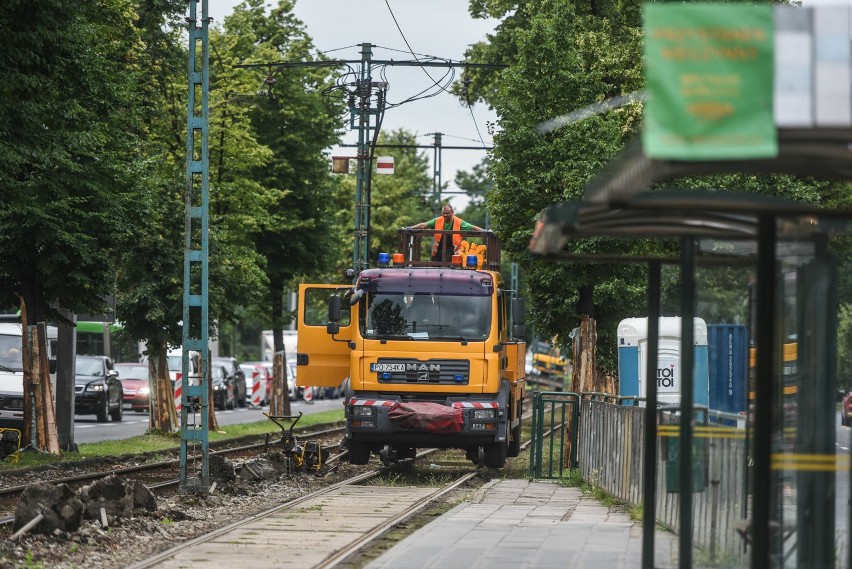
x: 393, y: 337
x: 461, y: 339
x: 4, y: 368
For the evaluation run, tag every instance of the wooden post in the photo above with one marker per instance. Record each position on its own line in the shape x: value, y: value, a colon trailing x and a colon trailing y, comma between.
x: 164, y: 416
x: 279, y: 403
x: 48, y: 435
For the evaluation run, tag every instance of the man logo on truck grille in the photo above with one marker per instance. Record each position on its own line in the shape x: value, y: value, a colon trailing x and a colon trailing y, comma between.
x: 423, y: 367
x: 409, y: 368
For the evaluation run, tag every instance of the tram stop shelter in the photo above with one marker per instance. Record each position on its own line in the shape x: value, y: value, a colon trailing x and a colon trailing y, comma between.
x: 774, y: 235
x: 752, y: 89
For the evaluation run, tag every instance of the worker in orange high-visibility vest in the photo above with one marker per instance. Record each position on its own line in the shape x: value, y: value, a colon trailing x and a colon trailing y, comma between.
x: 447, y: 221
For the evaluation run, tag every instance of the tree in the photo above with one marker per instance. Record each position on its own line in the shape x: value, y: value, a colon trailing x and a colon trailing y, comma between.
x: 68, y: 136
x: 150, y: 280
x: 564, y: 56
x: 296, y: 123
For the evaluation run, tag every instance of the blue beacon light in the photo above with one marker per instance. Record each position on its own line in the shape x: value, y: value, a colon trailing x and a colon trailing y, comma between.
x: 472, y: 261
x: 384, y: 259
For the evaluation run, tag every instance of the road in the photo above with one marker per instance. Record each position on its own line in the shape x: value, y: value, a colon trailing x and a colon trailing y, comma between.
x: 88, y: 430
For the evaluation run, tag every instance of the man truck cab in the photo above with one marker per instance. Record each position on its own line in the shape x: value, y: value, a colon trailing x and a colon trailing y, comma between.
x: 428, y: 351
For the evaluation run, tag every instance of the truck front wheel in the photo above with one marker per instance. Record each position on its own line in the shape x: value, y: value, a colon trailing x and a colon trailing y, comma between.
x: 495, y: 455
x: 515, y: 443
x: 359, y: 452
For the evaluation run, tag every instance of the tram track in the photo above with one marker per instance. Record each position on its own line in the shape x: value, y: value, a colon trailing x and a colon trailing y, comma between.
x: 9, y: 495
x: 182, y: 518
x: 266, y: 526
x: 325, y: 514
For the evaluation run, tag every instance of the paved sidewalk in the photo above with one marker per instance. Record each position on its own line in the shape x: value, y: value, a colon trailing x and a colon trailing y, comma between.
x: 513, y: 524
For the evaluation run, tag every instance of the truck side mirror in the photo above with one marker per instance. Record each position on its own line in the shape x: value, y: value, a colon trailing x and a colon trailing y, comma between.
x: 333, y: 314
x: 334, y: 308
x: 51, y: 364
x: 519, y: 312
x: 519, y: 317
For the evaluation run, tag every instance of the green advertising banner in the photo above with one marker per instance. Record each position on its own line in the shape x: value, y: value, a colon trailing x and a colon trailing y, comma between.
x: 708, y: 69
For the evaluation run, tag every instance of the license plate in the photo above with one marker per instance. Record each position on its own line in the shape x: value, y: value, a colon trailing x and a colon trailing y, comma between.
x: 387, y: 367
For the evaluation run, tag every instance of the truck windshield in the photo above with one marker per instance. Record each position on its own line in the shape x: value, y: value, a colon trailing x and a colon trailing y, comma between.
x: 10, y: 353
x: 426, y: 317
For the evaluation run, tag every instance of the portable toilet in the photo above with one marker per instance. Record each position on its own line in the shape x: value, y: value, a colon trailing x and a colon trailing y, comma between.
x: 728, y: 358
x: 633, y: 355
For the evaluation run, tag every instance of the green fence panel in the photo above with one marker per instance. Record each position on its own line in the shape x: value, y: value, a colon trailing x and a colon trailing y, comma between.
x: 555, y: 418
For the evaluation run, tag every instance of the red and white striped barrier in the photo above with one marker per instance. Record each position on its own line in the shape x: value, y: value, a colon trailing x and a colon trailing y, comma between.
x: 178, y: 390
x: 257, y: 390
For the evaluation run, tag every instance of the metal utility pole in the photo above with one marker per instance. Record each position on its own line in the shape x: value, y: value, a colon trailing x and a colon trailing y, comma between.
x: 195, y: 253
x: 361, y: 118
x: 362, y: 113
x: 436, y: 176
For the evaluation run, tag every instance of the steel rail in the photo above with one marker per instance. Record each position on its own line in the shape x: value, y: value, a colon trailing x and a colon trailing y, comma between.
x: 155, y: 560
x: 155, y: 465
x: 342, y: 554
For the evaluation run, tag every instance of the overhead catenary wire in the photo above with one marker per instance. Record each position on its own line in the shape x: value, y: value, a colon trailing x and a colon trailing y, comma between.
x: 387, y: 3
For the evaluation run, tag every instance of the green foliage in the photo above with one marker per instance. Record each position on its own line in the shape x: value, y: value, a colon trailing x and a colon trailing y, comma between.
x: 565, y: 56
x: 67, y: 137
x: 291, y: 118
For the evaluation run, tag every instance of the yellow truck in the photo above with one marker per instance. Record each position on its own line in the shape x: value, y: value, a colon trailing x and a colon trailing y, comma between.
x: 426, y: 349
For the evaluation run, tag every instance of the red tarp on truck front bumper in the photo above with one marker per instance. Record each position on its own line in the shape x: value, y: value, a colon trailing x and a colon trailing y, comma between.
x: 425, y: 416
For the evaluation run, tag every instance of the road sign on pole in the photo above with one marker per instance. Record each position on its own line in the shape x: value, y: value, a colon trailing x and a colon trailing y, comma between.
x: 384, y: 164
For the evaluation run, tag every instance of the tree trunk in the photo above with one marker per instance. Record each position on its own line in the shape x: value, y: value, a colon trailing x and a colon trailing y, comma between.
x: 48, y: 437
x: 163, y: 414
x: 39, y: 429
x: 39, y: 417
x: 276, y: 292
x: 279, y: 403
x: 212, y: 424
x: 584, y: 366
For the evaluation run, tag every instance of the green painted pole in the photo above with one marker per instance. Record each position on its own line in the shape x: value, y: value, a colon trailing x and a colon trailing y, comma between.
x: 195, y: 314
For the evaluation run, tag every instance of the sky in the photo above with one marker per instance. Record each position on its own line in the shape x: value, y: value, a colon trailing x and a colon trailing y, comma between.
x: 441, y: 28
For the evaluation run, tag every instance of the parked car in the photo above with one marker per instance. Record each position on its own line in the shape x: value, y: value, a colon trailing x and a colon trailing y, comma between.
x: 223, y: 388
x: 134, y: 382
x: 248, y: 371
x: 97, y: 389
x: 293, y: 391
x: 846, y: 410
x: 175, y: 361
x: 238, y: 377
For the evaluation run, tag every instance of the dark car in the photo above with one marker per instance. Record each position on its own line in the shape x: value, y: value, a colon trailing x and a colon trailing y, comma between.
x: 97, y: 389
x: 223, y: 387
x: 846, y: 410
x: 134, y: 382
x: 238, y: 377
